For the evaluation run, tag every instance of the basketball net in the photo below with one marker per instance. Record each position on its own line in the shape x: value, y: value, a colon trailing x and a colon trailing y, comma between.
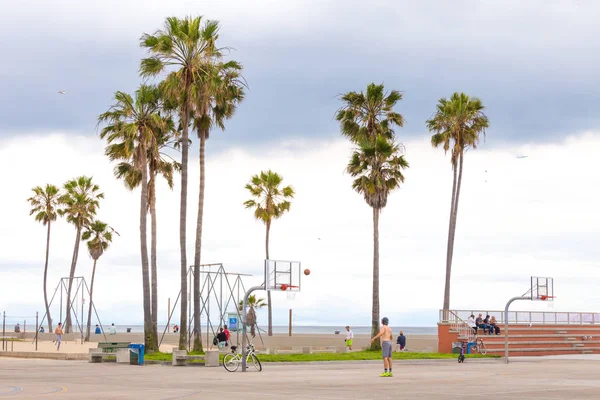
x: 291, y: 295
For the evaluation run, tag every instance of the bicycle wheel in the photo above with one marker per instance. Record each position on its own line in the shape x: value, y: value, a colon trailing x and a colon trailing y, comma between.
x: 474, y: 349
x: 231, y: 362
x: 482, y: 349
x: 256, y: 363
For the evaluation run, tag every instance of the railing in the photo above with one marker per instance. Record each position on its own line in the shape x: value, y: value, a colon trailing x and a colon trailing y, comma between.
x: 460, y: 326
x: 525, y: 317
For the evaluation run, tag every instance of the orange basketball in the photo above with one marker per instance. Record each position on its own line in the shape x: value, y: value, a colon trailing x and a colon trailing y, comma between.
x: 307, y: 271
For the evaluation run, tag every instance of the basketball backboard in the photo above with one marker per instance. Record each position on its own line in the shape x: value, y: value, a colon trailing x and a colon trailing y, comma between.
x: 542, y: 288
x: 283, y: 275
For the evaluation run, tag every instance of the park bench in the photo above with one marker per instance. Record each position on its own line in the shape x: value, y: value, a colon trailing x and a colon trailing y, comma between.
x: 110, y: 349
x: 211, y: 358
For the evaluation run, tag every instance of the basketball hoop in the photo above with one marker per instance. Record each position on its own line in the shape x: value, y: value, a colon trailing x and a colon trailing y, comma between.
x: 291, y: 293
x: 544, y: 298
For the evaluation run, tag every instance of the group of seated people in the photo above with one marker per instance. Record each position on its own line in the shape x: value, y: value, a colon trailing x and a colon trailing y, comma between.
x: 487, y: 324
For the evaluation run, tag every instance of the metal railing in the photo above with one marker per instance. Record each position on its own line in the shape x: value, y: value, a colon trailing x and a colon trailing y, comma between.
x: 460, y: 326
x: 525, y: 317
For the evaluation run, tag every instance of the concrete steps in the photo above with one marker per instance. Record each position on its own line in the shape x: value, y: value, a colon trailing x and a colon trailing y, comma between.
x: 526, y: 340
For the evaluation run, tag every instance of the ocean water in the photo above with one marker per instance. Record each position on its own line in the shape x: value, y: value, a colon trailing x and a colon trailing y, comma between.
x: 303, y: 329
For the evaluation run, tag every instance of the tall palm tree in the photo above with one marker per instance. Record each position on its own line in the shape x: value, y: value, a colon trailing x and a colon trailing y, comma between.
x: 44, y: 204
x: 183, y: 44
x: 368, y: 120
x: 159, y: 163
x: 253, y: 304
x: 458, y: 124
x: 81, y: 201
x: 377, y: 165
x: 131, y: 130
x: 369, y: 114
x: 99, y: 237
x: 216, y: 96
x: 269, y: 202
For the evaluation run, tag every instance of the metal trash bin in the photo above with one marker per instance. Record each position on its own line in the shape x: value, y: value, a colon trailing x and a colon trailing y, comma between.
x: 136, y: 354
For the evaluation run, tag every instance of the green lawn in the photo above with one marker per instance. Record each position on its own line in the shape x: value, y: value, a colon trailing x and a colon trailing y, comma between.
x: 353, y: 356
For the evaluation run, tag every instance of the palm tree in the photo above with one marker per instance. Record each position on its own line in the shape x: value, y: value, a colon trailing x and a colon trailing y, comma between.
x: 184, y: 44
x: 99, y: 237
x: 369, y: 114
x: 215, y: 97
x: 368, y: 119
x: 457, y: 124
x: 44, y: 204
x: 269, y: 202
x: 253, y: 304
x: 131, y: 130
x: 377, y: 166
x: 81, y: 201
x: 158, y: 163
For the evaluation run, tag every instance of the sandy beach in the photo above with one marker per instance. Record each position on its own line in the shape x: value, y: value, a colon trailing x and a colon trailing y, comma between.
x: 72, y: 342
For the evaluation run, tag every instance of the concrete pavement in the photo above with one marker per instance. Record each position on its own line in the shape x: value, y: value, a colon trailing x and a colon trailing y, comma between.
x: 535, y: 379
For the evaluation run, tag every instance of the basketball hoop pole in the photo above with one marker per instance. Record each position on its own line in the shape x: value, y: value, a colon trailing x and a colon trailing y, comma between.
x: 506, y: 323
x: 248, y: 293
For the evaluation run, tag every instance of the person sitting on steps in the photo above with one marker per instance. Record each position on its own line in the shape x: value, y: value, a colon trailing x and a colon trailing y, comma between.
x: 480, y: 324
x: 494, y: 326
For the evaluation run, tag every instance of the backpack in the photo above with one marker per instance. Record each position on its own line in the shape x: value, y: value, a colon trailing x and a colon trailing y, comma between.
x: 215, y: 341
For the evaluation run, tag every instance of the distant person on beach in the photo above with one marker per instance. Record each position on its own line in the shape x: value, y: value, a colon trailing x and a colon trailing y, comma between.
x: 17, y: 328
x: 113, y: 330
x: 98, y: 331
x: 42, y: 329
x: 401, y: 342
x: 175, y: 328
x: 222, y: 338
x: 385, y: 335
x: 59, y: 332
x: 349, y: 338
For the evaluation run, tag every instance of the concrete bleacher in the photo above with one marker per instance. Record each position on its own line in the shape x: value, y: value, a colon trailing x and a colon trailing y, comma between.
x: 532, y: 338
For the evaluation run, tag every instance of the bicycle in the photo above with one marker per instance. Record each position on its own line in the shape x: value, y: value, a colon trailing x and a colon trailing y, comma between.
x: 479, y: 347
x: 232, y: 361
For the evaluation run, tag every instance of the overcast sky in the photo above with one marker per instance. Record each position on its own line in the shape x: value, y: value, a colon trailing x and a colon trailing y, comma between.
x: 533, y: 64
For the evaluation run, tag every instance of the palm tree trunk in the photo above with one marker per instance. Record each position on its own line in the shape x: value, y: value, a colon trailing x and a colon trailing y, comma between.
x: 153, y: 267
x: 376, y: 345
x: 71, y: 276
x: 46, y: 279
x: 198, y: 247
x: 269, y: 308
x: 149, y: 338
x: 449, y: 249
x: 89, y: 318
x: 185, y: 114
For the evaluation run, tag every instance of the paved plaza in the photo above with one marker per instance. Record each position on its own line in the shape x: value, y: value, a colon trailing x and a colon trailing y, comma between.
x: 553, y: 378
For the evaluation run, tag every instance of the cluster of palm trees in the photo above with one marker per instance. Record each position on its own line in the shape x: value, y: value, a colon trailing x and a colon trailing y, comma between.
x: 199, y: 90
x: 78, y: 202
x: 377, y: 163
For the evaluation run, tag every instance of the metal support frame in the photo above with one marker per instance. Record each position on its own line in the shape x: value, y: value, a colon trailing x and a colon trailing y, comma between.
x: 217, y: 287
x: 81, y: 285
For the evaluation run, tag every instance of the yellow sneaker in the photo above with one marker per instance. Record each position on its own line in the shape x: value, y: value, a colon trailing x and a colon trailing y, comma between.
x: 384, y: 375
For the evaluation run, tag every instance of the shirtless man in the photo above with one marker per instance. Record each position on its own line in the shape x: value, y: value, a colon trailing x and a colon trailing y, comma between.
x: 385, y: 335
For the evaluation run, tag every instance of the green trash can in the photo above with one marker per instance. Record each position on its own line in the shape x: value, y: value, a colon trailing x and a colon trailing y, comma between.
x: 136, y: 354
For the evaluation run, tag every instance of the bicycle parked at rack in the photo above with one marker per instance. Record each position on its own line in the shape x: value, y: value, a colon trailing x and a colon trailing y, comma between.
x: 232, y: 361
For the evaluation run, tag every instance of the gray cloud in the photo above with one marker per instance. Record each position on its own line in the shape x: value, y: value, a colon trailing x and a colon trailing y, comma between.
x: 533, y: 65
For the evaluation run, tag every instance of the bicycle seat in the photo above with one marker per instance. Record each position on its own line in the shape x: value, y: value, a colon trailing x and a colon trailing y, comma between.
x: 233, y: 348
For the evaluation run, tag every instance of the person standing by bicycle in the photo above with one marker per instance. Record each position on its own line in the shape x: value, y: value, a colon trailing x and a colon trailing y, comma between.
x: 385, y: 335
